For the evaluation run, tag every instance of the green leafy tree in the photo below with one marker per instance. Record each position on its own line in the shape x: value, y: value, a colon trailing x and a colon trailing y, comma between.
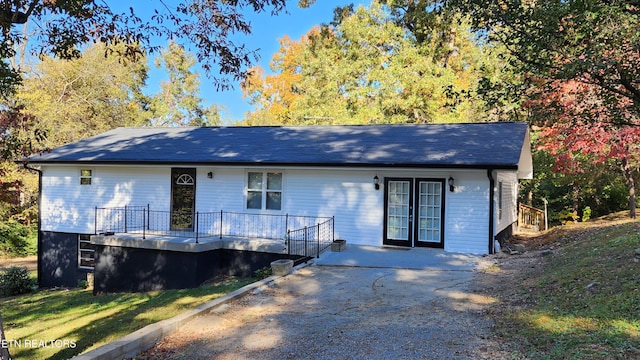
x: 599, y: 187
x: 365, y: 68
x: 178, y: 103
x: 82, y: 97
x: 440, y: 27
x: 593, y: 42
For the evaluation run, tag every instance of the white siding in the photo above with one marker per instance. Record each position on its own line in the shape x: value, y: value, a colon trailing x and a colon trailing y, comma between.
x: 509, y: 206
x: 467, y: 214
x: 225, y: 191
x: 347, y: 194
x: 68, y: 206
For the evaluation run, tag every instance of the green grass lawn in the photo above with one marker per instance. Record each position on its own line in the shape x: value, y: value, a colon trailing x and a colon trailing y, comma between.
x: 70, y: 322
x: 584, y: 303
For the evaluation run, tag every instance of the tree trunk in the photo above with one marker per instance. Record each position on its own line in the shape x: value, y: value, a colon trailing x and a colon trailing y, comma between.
x: 628, y: 174
x: 4, y: 347
x: 575, y: 196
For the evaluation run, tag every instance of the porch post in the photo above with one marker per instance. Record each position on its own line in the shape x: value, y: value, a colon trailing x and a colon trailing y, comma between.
x: 197, y: 227
x: 221, y: 224
x: 333, y: 228
x: 305, y: 241
x: 144, y: 229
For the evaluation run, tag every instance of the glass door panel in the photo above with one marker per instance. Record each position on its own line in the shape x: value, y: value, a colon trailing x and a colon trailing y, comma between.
x: 429, y: 199
x: 398, y: 212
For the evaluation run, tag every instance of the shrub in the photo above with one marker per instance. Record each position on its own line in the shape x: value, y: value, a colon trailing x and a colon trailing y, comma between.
x: 586, y: 214
x: 83, y: 284
x: 17, y: 239
x: 263, y: 273
x: 15, y: 281
x: 567, y: 216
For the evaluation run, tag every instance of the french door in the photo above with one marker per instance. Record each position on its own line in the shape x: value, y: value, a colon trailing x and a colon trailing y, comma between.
x: 414, y: 212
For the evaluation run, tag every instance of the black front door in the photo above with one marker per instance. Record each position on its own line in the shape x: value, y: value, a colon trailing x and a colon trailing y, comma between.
x: 183, y: 198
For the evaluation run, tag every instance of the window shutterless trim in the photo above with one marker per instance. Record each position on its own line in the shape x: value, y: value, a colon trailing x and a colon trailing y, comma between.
x: 86, y: 252
x: 265, y: 191
x: 85, y: 176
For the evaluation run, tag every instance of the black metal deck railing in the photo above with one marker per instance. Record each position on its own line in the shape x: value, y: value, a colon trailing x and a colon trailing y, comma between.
x: 311, y: 241
x: 303, y: 235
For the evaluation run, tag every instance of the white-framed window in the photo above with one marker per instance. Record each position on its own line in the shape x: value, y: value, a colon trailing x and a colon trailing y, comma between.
x: 86, y: 252
x: 264, y: 190
x: 85, y: 176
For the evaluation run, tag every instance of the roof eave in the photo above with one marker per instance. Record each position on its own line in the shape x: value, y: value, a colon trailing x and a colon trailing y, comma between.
x: 282, y: 164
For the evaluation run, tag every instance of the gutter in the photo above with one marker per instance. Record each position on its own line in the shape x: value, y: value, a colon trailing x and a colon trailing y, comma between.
x: 40, y: 265
x: 492, y: 184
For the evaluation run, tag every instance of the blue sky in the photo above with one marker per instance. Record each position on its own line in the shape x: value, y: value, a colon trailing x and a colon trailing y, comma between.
x: 266, y: 30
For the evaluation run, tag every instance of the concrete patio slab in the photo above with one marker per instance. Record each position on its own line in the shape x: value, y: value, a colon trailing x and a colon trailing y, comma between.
x: 399, y: 258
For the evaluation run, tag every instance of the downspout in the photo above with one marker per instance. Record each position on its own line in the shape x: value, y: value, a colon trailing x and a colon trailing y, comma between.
x: 492, y: 184
x: 27, y: 167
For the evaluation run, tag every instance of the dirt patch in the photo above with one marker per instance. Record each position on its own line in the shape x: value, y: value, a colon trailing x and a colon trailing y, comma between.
x: 349, y: 313
x: 30, y: 262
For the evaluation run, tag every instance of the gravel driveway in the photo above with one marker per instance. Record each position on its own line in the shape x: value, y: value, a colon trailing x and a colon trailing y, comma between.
x: 335, y: 312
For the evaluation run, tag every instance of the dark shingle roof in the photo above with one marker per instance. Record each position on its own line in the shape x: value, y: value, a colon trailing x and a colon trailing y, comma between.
x: 497, y: 144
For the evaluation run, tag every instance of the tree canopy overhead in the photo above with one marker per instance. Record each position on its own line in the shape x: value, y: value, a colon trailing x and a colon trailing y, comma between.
x: 73, y: 99
x: 61, y: 26
x: 595, y: 42
x: 368, y: 66
x: 179, y: 102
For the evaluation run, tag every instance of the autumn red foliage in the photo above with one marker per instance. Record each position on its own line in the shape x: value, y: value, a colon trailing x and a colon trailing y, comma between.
x: 578, y: 126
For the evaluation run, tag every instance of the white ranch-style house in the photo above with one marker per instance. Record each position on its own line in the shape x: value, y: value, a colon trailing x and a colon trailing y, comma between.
x: 151, y: 208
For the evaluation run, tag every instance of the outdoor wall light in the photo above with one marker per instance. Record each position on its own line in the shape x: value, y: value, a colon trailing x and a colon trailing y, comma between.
x: 451, y: 187
x: 210, y: 175
x: 376, y: 182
